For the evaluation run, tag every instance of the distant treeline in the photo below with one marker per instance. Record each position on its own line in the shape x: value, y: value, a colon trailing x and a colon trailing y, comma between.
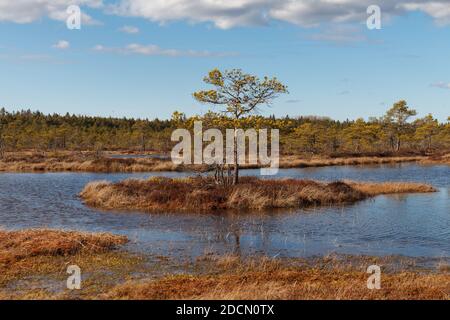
x: 395, y: 132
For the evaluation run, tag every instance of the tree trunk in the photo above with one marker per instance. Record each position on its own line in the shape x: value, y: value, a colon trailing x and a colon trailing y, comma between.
x: 398, y: 144
x: 2, y: 151
x: 392, y: 143
x: 236, y: 165
x: 143, y: 142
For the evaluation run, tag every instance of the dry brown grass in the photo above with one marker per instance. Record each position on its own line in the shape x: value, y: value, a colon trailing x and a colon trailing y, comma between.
x: 296, y: 162
x: 438, y: 159
x: 16, y: 246
x: 37, y: 270
x: 373, y: 189
x: 82, y: 162
x: 201, y: 194
x: 270, y: 279
x: 85, y: 161
x: 33, y: 263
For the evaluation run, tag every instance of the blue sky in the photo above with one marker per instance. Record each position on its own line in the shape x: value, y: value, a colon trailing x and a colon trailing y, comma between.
x: 137, y: 61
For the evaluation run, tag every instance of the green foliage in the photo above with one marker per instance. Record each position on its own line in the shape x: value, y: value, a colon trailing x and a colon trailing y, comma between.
x: 312, y: 135
x: 426, y: 130
x: 396, y: 122
x: 238, y: 92
x: 34, y: 130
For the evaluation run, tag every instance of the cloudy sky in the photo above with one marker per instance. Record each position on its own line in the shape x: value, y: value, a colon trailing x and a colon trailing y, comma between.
x: 144, y: 58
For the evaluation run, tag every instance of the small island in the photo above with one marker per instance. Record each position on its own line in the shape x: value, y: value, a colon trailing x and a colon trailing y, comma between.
x: 202, y: 194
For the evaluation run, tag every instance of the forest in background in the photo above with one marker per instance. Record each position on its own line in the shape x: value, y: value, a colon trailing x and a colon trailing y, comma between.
x: 398, y: 131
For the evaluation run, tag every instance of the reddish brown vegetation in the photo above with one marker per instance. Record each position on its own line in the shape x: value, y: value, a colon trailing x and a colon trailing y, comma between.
x: 202, y: 194
x: 296, y: 162
x: 373, y: 189
x: 270, y: 279
x: 92, y: 162
x: 24, y: 244
x: 81, y: 161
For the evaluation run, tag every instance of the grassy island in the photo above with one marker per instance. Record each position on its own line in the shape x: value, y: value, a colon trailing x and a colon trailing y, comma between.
x: 200, y: 194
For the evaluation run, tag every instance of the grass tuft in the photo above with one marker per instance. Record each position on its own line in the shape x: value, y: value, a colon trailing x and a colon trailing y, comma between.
x: 23, y: 244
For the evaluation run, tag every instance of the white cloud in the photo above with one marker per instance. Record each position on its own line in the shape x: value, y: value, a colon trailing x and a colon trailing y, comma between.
x: 226, y: 14
x: 99, y: 47
x: 61, y: 44
x: 129, y: 29
x: 27, y: 11
x: 223, y: 13
x: 293, y: 101
x: 340, y: 34
x: 441, y: 85
x: 439, y: 10
x: 154, y: 50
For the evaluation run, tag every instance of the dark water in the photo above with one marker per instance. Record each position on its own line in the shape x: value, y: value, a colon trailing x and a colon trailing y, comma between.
x: 415, y: 225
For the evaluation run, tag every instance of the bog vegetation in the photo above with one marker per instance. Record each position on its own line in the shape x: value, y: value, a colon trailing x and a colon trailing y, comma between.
x: 23, y: 244
x: 396, y: 132
x: 234, y: 278
x: 198, y: 194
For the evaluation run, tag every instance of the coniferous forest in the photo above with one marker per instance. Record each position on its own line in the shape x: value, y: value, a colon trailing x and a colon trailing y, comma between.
x: 400, y: 130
